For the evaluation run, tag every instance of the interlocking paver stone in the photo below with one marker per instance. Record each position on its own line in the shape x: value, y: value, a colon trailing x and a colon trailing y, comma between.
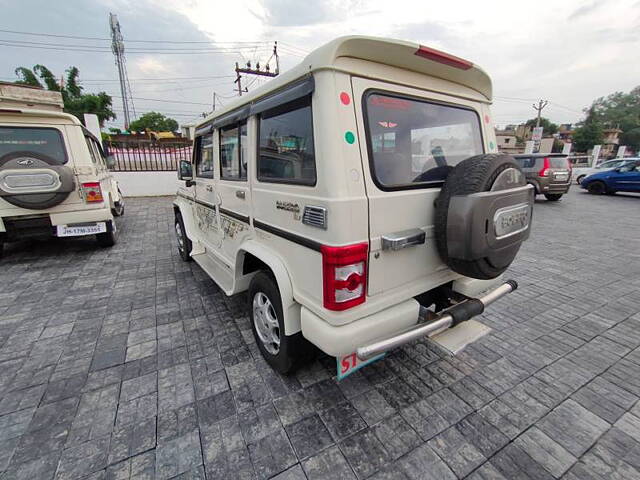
x: 133, y: 364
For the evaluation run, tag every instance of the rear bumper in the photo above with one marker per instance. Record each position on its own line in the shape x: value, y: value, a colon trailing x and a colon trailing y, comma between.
x: 555, y: 187
x: 21, y: 227
x: 391, y: 327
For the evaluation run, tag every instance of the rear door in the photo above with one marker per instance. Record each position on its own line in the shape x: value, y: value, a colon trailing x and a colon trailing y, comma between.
x: 559, y: 167
x: 410, y: 139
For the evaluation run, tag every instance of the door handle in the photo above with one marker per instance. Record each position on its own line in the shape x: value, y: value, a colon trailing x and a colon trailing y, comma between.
x: 403, y: 239
x: 209, y: 188
x: 241, y: 194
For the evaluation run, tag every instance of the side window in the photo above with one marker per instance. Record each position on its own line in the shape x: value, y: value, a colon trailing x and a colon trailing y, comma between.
x: 204, y: 156
x: 233, y: 148
x: 92, y: 150
x: 286, y: 150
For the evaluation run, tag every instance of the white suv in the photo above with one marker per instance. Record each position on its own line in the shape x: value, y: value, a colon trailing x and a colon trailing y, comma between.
x: 54, y: 178
x: 360, y: 200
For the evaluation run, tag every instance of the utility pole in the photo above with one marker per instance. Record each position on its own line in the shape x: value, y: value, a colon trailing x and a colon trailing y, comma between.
x: 257, y: 71
x: 538, y: 108
x: 117, y: 47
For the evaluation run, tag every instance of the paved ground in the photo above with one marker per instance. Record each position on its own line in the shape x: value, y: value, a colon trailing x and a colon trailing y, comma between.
x: 128, y: 363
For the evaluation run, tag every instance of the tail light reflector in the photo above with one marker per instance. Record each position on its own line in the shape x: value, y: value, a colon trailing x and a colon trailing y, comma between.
x: 442, y: 57
x: 344, y: 272
x: 92, y: 192
x: 544, y: 172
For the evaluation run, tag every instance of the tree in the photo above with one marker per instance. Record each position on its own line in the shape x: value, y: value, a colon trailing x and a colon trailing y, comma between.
x: 588, y: 134
x: 631, y: 138
x: 75, y: 102
x: 545, y: 123
x: 155, y: 122
x: 621, y: 110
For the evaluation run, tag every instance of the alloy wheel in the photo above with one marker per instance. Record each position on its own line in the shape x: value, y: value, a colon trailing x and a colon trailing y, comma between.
x: 266, y: 323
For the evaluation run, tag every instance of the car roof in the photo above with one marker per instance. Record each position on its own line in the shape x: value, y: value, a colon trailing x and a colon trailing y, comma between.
x: 396, y: 53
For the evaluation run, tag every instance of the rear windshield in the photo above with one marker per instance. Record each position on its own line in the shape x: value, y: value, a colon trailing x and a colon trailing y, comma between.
x: 554, y: 162
x: 414, y: 142
x: 558, y: 162
x: 46, y: 141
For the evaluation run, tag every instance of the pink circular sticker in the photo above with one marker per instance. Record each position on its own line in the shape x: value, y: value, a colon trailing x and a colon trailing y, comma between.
x: 486, y: 119
x: 344, y: 98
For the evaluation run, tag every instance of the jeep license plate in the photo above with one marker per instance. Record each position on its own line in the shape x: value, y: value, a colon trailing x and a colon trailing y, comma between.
x: 350, y: 363
x: 561, y: 176
x: 511, y: 220
x: 78, y: 230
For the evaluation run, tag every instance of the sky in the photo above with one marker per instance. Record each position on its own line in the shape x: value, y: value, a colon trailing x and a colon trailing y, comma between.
x: 568, y: 52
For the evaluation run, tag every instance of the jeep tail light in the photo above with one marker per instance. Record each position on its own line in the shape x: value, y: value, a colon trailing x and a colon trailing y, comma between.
x: 92, y: 192
x: 444, y: 58
x: 344, y: 272
x: 545, y: 168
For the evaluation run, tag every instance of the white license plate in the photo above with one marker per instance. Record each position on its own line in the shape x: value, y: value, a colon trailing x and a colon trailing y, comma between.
x: 77, y: 230
x: 561, y: 176
x: 350, y: 363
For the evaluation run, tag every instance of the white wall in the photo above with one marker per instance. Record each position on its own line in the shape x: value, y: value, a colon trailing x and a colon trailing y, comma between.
x: 147, y: 184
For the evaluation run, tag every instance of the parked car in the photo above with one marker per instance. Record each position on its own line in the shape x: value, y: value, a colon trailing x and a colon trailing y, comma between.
x: 579, y: 173
x: 625, y: 178
x: 54, y: 179
x: 549, y: 173
x: 353, y: 197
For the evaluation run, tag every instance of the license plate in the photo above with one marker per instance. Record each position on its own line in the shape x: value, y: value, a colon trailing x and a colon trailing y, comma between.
x: 511, y: 220
x: 77, y: 230
x: 350, y: 363
x: 561, y: 176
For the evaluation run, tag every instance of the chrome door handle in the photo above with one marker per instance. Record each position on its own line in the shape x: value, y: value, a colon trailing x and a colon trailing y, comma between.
x: 404, y: 239
x: 209, y: 188
x: 241, y: 194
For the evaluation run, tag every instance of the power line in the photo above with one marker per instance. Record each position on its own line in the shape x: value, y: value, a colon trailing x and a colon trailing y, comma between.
x: 164, y: 101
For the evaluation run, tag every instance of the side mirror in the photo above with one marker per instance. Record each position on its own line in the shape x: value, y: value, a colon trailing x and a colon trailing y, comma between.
x: 111, y: 161
x: 185, y: 171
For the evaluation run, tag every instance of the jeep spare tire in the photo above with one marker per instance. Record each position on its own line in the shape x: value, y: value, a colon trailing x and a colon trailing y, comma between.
x: 483, y: 215
x: 34, y: 180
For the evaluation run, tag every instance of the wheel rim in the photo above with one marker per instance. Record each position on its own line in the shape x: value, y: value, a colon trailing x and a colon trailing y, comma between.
x: 180, y: 236
x: 579, y: 179
x: 266, y: 323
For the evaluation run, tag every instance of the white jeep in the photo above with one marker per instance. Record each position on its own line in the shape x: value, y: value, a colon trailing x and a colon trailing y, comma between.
x: 359, y: 199
x: 54, y: 177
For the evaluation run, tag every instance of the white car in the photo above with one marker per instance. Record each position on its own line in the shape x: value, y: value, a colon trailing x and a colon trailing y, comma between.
x: 306, y: 193
x: 54, y: 175
x: 581, y: 172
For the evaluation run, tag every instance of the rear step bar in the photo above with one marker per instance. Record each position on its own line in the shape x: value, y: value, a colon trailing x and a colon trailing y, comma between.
x: 449, y: 318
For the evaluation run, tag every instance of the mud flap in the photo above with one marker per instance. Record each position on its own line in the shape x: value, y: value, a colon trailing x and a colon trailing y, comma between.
x: 454, y: 340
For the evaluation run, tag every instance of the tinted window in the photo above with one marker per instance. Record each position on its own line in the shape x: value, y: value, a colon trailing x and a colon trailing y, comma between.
x: 417, y: 142
x: 233, y: 147
x: 204, y: 156
x: 286, y: 145
x: 558, y: 162
x: 46, y: 141
x: 526, y: 162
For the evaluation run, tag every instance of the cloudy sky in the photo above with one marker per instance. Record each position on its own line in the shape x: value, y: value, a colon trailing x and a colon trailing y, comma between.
x: 569, y: 52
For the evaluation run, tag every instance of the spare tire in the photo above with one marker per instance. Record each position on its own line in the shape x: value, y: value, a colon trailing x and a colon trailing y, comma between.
x: 34, y: 180
x: 483, y: 214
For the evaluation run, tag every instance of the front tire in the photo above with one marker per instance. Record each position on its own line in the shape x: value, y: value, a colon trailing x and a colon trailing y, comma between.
x: 553, y: 197
x: 184, y: 244
x: 283, y: 352
x: 597, y: 188
x: 580, y: 178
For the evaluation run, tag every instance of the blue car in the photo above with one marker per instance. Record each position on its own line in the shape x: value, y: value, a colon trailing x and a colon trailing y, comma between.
x: 621, y: 179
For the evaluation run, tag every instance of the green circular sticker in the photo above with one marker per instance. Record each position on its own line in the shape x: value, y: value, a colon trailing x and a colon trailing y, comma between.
x: 491, y: 146
x: 349, y: 137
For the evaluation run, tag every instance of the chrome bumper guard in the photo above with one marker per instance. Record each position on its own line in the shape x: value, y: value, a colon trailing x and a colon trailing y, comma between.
x: 452, y: 316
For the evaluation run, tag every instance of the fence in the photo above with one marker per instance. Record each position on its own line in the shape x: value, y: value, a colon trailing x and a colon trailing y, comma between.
x: 148, y: 156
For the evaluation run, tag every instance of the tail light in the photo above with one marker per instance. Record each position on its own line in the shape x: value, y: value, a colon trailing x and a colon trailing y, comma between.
x: 92, y: 192
x: 545, y: 168
x: 344, y: 271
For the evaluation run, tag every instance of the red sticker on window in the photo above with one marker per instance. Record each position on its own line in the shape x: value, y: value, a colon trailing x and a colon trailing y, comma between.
x: 389, y: 102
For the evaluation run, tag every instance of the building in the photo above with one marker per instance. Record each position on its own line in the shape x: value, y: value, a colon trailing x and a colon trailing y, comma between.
x: 508, y: 142
x: 610, y: 142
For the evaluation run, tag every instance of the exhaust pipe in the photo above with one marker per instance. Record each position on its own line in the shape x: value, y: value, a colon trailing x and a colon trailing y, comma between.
x: 450, y: 317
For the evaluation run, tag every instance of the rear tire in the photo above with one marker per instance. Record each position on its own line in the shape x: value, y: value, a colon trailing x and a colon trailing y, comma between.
x: 118, y: 210
x: 597, y: 188
x: 553, y: 197
x: 184, y: 244
x: 283, y: 352
x: 107, y: 239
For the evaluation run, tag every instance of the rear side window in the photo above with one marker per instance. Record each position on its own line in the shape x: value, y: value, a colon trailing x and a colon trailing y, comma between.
x: 45, y: 141
x: 414, y: 143
x: 529, y: 162
x: 233, y: 158
x: 286, y: 150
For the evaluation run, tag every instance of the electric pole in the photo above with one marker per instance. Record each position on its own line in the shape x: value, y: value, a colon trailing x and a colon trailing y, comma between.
x: 538, y: 108
x: 117, y: 47
x: 256, y: 71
